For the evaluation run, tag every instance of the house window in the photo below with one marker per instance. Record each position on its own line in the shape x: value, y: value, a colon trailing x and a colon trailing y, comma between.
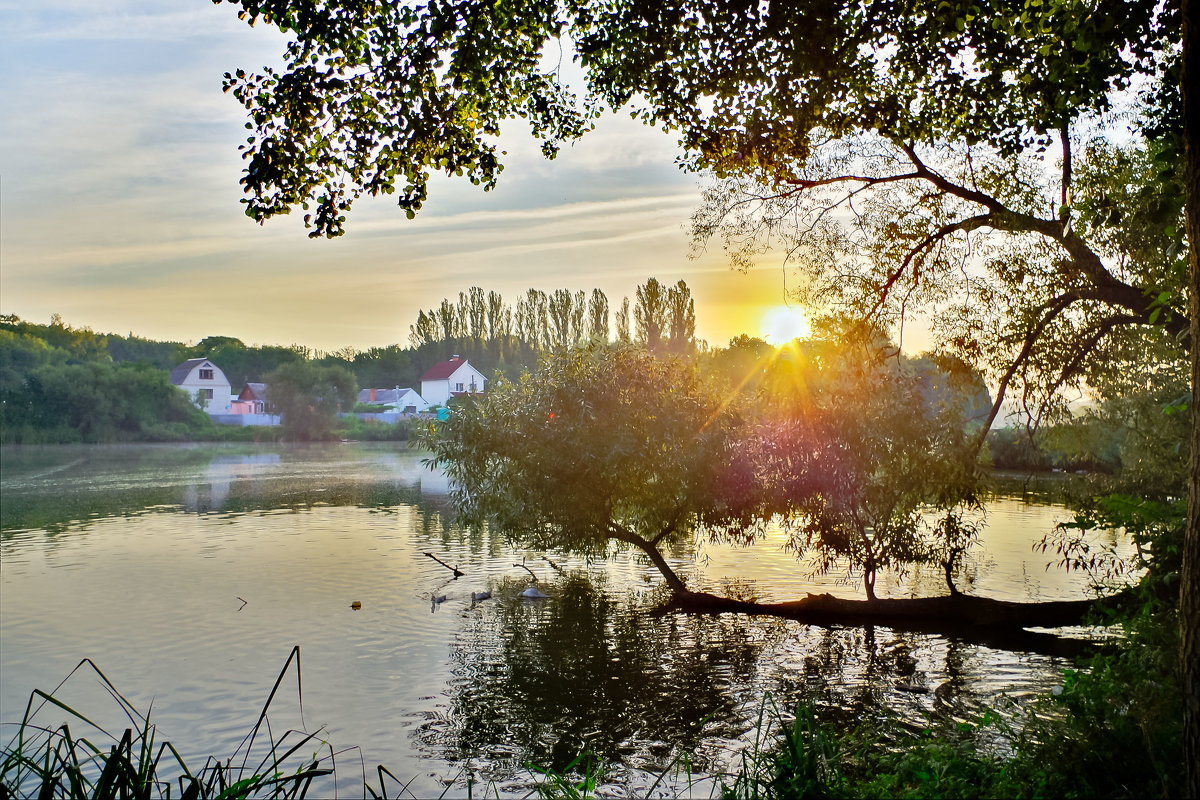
x: 208, y: 393
x: 206, y: 375
x: 458, y: 387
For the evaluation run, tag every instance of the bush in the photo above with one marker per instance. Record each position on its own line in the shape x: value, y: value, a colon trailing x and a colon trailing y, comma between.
x: 376, y: 431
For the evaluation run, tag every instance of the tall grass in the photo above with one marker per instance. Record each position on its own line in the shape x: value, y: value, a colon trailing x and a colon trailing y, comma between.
x: 58, y: 761
x: 803, y: 760
x: 1113, y: 729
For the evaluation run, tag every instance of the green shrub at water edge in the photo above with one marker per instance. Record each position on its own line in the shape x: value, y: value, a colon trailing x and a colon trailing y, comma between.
x: 374, y: 431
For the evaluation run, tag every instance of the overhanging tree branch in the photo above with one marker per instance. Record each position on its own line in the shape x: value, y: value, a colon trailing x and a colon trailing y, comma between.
x: 1055, y: 309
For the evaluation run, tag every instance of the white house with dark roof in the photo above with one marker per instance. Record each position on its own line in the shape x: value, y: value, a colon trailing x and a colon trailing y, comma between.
x: 205, y: 384
x: 452, y: 378
x: 404, y: 401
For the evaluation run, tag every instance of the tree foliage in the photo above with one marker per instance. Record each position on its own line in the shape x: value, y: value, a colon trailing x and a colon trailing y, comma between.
x: 600, y: 444
x: 374, y: 97
x: 616, y: 443
x: 867, y: 454
x: 309, y: 398
x: 96, y: 402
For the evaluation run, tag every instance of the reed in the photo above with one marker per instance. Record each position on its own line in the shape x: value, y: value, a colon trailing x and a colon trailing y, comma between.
x: 46, y: 761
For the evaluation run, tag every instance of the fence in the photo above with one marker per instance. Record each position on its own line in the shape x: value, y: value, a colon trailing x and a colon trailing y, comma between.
x: 245, y: 419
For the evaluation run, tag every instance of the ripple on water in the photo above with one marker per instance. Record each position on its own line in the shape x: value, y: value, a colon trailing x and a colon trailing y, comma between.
x: 196, y: 613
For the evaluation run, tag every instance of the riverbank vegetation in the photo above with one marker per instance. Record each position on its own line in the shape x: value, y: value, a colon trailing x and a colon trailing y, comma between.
x: 1112, y: 729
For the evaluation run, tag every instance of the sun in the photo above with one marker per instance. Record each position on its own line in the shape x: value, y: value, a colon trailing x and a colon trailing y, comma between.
x: 782, y: 324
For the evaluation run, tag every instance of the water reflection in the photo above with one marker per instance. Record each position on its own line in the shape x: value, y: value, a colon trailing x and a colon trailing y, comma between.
x: 591, y: 672
x: 55, y: 488
x: 136, y: 557
x: 544, y: 681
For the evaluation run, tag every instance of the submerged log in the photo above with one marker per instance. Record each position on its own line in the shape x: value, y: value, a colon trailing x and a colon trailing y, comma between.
x: 981, y: 620
x: 960, y: 609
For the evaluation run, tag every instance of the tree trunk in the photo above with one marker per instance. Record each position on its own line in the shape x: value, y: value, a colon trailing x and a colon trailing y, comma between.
x: 994, y: 623
x: 1189, y: 601
x: 945, y: 610
x: 656, y: 558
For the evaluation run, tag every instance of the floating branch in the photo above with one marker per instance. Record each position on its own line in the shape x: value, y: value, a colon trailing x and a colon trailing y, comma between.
x: 455, y: 570
x: 244, y: 602
x: 527, y: 569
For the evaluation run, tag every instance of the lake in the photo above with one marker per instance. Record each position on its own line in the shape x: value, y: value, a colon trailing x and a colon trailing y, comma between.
x: 188, y: 574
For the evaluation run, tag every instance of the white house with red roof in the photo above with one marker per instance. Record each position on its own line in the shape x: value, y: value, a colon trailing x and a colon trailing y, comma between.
x: 453, y: 378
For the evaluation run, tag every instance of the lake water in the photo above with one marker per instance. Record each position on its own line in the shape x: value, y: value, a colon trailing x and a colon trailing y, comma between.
x: 188, y: 574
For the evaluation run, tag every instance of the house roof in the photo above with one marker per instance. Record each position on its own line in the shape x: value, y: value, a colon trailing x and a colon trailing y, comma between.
x: 443, y: 370
x: 180, y: 373
x: 255, y: 391
x: 383, y: 396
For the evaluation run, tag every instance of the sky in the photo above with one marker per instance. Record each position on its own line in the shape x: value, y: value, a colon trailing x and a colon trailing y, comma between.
x: 119, y: 201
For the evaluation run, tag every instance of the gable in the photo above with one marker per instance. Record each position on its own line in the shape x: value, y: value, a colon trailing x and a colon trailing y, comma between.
x: 181, y: 373
x: 254, y: 391
x: 190, y: 373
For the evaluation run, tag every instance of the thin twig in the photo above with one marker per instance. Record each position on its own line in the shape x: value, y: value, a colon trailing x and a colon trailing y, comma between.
x: 457, y: 573
x: 527, y: 569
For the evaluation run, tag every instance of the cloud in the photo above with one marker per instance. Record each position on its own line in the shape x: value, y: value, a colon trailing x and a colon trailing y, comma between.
x: 622, y: 208
x: 72, y: 21
x: 120, y: 198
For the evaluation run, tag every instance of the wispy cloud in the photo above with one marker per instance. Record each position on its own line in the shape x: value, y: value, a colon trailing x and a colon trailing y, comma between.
x: 119, y: 180
x: 50, y: 21
x: 674, y: 203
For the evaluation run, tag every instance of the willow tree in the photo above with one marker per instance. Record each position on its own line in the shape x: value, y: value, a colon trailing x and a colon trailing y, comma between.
x: 616, y: 446
x: 600, y: 445
x: 866, y: 455
x: 309, y: 397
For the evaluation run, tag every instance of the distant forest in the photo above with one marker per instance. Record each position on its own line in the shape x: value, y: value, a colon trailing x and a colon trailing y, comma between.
x: 479, y: 325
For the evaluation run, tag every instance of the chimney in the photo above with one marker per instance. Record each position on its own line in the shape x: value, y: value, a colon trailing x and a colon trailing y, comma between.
x: 372, y: 395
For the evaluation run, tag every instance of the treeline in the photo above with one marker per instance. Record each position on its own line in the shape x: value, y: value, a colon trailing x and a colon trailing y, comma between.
x: 480, y: 325
x: 60, y: 383
x: 661, y: 317
x: 73, y: 391
x: 1137, y: 434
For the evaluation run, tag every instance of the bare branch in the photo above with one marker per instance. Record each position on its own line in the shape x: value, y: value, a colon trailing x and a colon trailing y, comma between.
x: 1056, y: 308
x: 965, y: 225
x: 972, y: 195
x: 805, y: 183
